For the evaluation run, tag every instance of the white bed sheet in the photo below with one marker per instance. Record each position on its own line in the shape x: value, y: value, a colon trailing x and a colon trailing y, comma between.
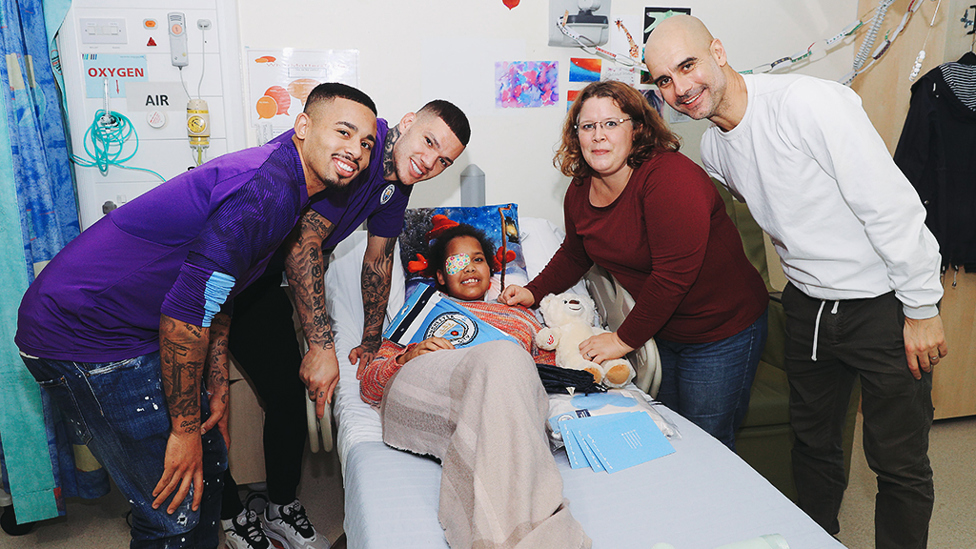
x: 700, y: 497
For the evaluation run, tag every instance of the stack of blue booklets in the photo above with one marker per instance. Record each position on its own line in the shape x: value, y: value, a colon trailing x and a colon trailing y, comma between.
x: 610, y: 442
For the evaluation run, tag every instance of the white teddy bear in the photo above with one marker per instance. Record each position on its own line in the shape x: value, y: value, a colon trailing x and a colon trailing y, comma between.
x: 569, y: 318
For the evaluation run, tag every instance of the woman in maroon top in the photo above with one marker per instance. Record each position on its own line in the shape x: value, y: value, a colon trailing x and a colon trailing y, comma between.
x: 651, y: 217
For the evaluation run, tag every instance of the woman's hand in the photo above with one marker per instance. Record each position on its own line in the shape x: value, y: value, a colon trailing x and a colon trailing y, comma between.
x: 606, y: 346
x: 516, y: 295
x: 428, y: 345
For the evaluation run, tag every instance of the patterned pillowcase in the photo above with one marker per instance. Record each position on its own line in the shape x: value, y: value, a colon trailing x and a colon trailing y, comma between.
x: 498, y: 222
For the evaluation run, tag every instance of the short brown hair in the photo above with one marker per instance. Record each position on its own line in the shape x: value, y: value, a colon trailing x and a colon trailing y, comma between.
x: 651, y: 134
x: 452, y: 116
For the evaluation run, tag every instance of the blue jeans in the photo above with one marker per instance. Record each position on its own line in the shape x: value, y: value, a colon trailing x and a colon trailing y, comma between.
x: 119, y: 410
x: 709, y: 383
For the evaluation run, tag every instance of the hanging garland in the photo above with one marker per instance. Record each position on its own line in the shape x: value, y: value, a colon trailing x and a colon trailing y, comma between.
x: 825, y: 44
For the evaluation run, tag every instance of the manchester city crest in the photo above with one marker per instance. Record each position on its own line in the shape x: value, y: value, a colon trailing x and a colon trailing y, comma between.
x: 454, y: 327
x: 387, y: 194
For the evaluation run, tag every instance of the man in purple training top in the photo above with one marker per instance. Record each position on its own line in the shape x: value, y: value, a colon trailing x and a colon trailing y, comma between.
x: 263, y: 340
x: 121, y: 327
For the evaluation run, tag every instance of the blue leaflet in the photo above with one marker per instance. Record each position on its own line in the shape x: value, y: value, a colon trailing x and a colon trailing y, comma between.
x: 629, y: 439
x: 579, y: 455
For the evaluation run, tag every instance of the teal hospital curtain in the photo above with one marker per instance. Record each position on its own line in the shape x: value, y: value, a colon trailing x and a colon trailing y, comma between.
x: 38, y: 216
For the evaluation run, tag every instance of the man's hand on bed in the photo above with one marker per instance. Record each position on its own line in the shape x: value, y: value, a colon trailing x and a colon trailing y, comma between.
x: 606, y: 346
x: 428, y: 345
x: 320, y: 373
x: 364, y: 354
x: 516, y: 295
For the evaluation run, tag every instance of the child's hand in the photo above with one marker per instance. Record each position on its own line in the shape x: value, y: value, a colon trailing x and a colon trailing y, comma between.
x: 428, y: 345
x: 516, y: 295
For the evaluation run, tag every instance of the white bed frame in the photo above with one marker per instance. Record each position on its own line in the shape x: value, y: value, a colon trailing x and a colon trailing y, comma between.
x: 701, y: 497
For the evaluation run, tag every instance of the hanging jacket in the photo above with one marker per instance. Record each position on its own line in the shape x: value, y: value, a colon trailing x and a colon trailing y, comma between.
x: 937, y: 152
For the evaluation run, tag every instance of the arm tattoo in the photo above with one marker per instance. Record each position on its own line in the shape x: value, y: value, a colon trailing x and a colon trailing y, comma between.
x: 389, y: 164
x: 376, y: 278
x: 183, y: 351
x: 305, y: 268
x: 217, y: 364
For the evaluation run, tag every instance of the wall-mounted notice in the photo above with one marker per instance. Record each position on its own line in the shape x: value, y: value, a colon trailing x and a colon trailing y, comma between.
x: 111, y: 70
x: 279, y: 81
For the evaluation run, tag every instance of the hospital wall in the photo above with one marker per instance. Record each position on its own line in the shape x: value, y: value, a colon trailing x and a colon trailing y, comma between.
x: 412, y: 51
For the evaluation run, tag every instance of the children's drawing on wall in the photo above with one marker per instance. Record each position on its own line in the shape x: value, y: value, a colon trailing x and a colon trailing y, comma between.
x: 571, y: 96
x: 279, y: 82
x: 526, y: 83
x: 653, y: 18
x: 583, y: 69
x: 624, y: 33
x: 633, y: 49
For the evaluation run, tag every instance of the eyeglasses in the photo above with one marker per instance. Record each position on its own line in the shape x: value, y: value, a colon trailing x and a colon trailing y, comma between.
x: 608, y: 125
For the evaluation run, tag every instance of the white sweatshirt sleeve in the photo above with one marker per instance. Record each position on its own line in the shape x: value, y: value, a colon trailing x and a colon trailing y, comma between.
x: 825, y: 120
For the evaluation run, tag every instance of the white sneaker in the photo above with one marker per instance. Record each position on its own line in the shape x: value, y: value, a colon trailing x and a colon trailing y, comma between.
x: 244, y: 532
x: 291, y: 523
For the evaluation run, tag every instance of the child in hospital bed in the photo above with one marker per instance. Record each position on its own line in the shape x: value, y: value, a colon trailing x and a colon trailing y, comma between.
x: 480, y: 410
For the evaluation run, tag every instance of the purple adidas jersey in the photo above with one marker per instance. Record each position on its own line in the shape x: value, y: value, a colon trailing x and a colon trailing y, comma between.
x: 100, y: 298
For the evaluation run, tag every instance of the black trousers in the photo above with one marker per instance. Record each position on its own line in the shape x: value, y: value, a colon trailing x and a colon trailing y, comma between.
x: 859, y: 338
x: 264, y: 343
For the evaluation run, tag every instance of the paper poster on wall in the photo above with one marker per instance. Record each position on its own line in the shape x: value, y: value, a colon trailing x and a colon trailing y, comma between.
x: 280, y: 80
x: 653, y: 96
x: 653, y: 18
x: 627, y: 75
x: 520, y: 84
x: 624, y: 34
x: 571, y: 96
x: 582, y: 69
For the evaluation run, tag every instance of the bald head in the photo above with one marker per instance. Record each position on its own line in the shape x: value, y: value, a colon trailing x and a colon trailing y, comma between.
x: 690, y: 68
x: 690, y: 30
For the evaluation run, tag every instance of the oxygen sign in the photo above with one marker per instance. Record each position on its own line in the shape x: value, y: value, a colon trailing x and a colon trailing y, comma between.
x: 117, y: 69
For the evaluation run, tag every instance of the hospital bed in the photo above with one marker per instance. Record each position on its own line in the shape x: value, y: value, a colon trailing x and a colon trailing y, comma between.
x: 701, y: 497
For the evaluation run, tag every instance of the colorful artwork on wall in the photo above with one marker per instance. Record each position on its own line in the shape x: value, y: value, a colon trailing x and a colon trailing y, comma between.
x: 521, y: 84
x: 571, y: 96
x: 584, y: 69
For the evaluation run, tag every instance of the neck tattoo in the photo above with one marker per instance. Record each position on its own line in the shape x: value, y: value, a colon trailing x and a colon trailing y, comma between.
x: 389, y: 164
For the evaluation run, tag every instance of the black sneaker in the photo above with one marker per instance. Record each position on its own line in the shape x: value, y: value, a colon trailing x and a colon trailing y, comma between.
x: 244, y: 532
x: 292, y: 524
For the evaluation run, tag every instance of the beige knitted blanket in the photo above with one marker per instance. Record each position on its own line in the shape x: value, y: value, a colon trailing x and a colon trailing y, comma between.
x: 481, y: 412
